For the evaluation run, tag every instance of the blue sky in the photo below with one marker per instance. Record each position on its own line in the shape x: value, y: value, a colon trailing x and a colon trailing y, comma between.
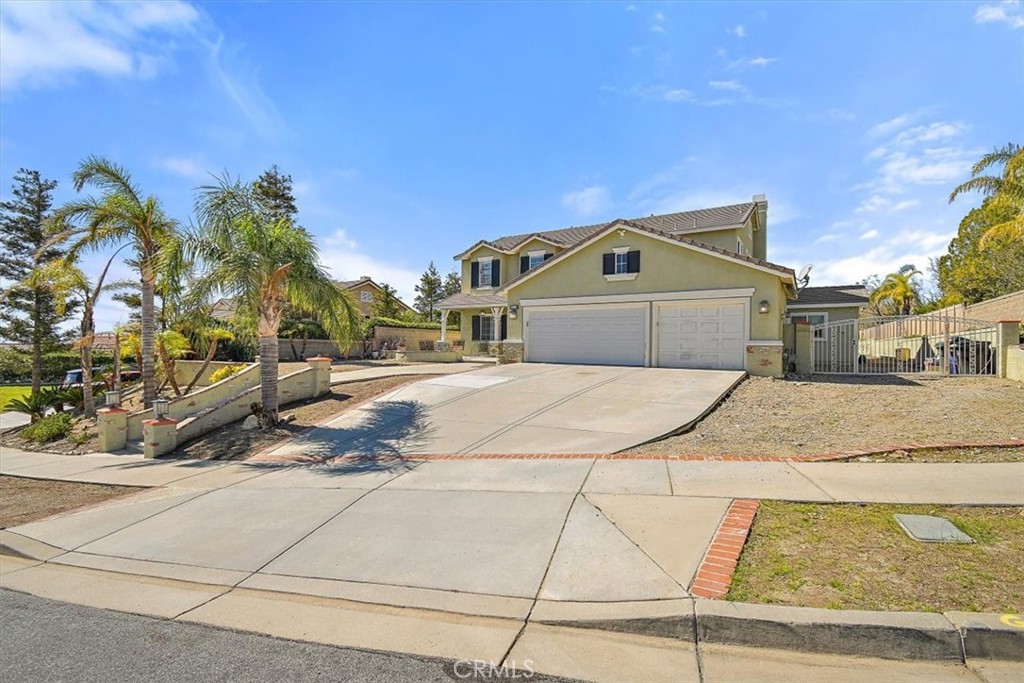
x: 414, y: 129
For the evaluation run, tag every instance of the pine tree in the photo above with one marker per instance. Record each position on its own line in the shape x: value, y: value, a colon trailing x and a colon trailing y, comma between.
x: 429, y: 293
x: 273, y: 194
x: 452, y: 285
x: 30, y: 314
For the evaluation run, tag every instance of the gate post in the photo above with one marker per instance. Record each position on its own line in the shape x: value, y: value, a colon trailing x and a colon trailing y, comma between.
x: 804, y: 361
x: 1007, y: 335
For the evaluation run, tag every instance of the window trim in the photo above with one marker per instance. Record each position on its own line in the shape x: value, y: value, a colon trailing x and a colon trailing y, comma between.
x: 366, y: 297
x: 489, y: 262
x: 535, y: 259
x: 803, y: 315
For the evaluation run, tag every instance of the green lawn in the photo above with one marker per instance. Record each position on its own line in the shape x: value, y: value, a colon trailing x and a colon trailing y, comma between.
x: 7, y: 393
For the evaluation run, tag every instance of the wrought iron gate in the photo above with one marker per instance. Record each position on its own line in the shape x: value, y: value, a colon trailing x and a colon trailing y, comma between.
x: 939, y: 344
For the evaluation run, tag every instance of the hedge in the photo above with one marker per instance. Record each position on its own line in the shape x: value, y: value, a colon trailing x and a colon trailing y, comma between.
x: 405, y: 324
x: 16, y: 365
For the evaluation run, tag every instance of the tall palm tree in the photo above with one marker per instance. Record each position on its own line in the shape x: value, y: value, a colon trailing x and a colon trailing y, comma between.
x: 264, y: 264
x: 121, y: 215
x: 898, y: 291
x: 1005, y: 190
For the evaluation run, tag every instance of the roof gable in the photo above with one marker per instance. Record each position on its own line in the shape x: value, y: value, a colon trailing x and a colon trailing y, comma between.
x: 675, y: 240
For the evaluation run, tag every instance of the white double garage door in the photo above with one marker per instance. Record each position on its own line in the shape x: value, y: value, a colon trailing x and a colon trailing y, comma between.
x: 704, y: 333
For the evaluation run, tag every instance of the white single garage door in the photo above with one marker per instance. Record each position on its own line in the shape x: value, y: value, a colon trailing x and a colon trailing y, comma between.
x: 697, y: 334
x: 599, y: 334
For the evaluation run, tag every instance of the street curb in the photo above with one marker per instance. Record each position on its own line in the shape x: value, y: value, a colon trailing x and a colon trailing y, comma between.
x: 887, y: 635
x: 990, y: 636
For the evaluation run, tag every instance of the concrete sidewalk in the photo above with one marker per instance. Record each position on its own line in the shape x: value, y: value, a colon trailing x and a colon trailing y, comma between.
x: 450, y: 558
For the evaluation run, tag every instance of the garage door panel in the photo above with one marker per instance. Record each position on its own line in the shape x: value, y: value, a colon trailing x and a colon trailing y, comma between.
x: 599, y: 335
x: 701, y: 335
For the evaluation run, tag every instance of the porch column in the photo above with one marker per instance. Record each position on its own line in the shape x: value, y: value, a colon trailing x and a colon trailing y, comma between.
x: 444, y: 324
x: 496, y: 331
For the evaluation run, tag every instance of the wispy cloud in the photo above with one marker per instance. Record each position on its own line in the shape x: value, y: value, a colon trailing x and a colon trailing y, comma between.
x: 588, y: 201
x: 1009, y: 12
x: 663, y: 93
x: 187, y: 167
x: 762, y: 61
x: 870, y: 234
x: 240, y: 83
x: 740, y: 31
x: 45, y: 44
x: 727, y: 85
x: 631, y: 8
x: 890, y: 126
x: 658, y: 25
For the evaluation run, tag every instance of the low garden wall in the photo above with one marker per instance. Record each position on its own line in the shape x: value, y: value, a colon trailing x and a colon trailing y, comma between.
x: 190, y: 404
x: 428, y: 356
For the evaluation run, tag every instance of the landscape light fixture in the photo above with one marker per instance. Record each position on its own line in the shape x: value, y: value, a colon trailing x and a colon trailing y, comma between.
x: 161, y: 407
x: 112, y: 398
x: 763, y: 306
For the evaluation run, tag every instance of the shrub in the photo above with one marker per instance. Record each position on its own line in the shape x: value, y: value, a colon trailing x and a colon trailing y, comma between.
x: 35, y: 405
x: 15, y: 365
x: 75, y: 396
x: 226, y: 372
x: 50, y: 428
x: 453, y: 324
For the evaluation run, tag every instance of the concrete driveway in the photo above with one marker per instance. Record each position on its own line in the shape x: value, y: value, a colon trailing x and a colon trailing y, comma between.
x: 523, y: 408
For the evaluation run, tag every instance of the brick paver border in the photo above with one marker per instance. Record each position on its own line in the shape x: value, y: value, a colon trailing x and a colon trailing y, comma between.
x: 714, y: 576
x: 815, y: 457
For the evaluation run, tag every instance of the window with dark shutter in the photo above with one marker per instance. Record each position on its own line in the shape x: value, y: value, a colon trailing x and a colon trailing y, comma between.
x: 495, y: 273
x: 547, y: 256
x: 608, y: 264
x: 633, y: 263
x: 524, y: 264
x: 474, y: 275
x: 476, y: 328
x: 504, y: 327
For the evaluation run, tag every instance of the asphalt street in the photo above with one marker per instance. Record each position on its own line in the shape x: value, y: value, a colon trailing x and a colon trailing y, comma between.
x: 45, y: 640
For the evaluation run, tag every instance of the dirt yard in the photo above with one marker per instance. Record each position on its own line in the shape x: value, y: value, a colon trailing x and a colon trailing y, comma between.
x: 858, y: 557
x: 765, y: 416
x: 232, y: 443
x: 946, y: 455
x: 25, y: 500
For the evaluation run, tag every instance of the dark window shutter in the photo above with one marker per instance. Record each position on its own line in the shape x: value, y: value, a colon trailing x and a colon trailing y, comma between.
x: 524, y: 264
x: 495, y: 273
x: 504, y: 327
x: 633, y: 262
x: 547, y: 256
x: 474, y: 274
x: 476, y: 326
x: 609, y: 264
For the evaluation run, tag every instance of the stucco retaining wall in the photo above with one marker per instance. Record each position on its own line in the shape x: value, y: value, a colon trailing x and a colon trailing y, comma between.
x: 1015, y: 363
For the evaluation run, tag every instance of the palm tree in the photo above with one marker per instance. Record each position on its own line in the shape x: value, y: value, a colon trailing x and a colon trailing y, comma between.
x: 898, y: 291
x: 120, y: 216
x: 264, y: 264
x: 1005, y: 190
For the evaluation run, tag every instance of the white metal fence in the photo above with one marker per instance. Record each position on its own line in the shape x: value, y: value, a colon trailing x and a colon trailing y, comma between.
x: 940, y: 344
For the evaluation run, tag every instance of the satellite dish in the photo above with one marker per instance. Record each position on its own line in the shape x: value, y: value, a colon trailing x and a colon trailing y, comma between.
x: 805, y: 276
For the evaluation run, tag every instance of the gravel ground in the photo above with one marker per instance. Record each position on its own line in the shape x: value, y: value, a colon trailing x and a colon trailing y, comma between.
x: 765, y: 416
x: 24, y: 500
x: 231, y: 443
x: 82, y: 439
x: 946, y: 455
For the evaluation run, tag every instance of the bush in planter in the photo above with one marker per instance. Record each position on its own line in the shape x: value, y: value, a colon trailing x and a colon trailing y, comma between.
x: 226, y: 372
x: 50, y: 428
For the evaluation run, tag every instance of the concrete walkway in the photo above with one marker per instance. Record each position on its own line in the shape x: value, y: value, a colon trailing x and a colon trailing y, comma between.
x: 371, y: 371
x: 522, y: 408
x: 470, y: 558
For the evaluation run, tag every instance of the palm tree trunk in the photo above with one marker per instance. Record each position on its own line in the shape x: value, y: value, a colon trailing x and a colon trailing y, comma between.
x: 148, y: 346
x: 268, y: 378
x: 116, y: 382
x: 88, y: 329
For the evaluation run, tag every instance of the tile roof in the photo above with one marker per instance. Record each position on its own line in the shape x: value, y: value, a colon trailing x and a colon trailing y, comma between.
x: 678, y: 223
x: 654, y: 231
x: 474, y: 301
x: 836, y: 295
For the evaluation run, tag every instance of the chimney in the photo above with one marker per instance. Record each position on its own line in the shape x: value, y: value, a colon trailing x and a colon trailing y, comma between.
x: 367, y: 277
x: 761, y: 228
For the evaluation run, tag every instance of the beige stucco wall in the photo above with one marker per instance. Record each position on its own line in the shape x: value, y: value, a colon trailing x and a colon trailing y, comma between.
x: 1015, y: 363
x: 725, y: 239
x: 664, y: 267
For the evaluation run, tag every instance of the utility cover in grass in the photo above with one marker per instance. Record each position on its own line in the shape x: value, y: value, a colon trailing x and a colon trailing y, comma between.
x: 932, y: 529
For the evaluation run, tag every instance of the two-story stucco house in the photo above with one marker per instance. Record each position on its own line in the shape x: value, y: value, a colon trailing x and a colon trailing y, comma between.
x: 685, y: 290
x: 364, y: 291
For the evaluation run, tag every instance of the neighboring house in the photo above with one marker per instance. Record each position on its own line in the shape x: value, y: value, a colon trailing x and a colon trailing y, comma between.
x: 682, y: 290
x: 364, y: 290
x: 820, y: 305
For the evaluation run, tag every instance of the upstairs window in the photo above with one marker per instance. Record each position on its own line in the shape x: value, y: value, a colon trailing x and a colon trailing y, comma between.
x: 536, y: 260
x: 366, y: 297
x: 621, y: 264
x: 485, y: 272
x: 532, y: 259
